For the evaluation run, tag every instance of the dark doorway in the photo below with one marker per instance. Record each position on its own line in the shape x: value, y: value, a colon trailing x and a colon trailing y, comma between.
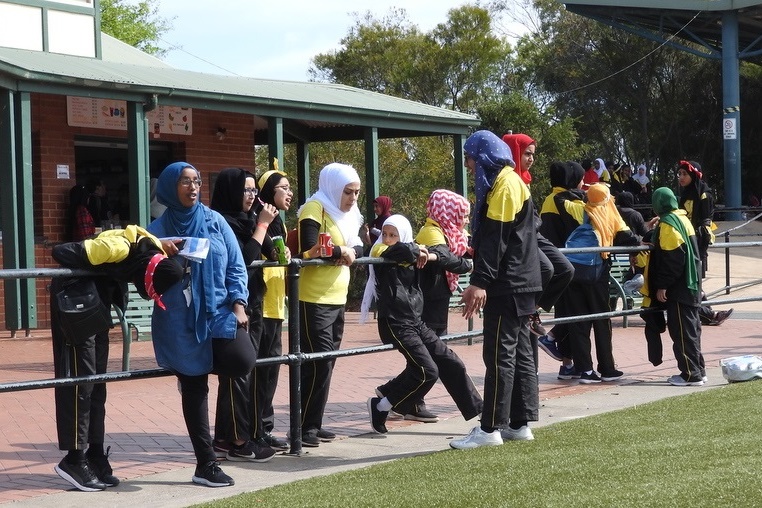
x: 106, y: 161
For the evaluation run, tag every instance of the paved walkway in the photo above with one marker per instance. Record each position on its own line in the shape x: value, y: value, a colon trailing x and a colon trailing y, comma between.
x: 151, y: 452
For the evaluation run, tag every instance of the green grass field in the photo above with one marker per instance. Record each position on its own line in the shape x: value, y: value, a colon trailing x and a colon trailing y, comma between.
x: 702, y: 449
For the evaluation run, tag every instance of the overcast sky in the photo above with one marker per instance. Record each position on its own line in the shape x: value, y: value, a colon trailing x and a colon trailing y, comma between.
x: 273, y: 38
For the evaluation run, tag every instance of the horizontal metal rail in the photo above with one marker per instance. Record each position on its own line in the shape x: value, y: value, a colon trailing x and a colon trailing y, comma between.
x: 295, y: 358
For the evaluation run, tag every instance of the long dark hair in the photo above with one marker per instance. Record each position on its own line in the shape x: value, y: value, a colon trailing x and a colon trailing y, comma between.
x: 77, y: 197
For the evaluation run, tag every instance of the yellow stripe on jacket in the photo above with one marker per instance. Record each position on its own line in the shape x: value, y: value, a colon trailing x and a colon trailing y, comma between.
x: 507, y: 197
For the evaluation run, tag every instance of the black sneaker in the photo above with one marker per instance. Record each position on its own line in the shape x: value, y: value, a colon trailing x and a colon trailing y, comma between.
x: 377, y: 418
x: 720, y: 316
x: 612, y: 376
x: 273, y: 442
x: 421, y: 414
x: 250, y: 452
x: 393, y: 415
x: 535, y: 325
x: 211, y: 475
x: 566, y: 373
x: 591, y: 378
x: 325, y: 435
x: 80, y: 475
x: 310, y: 438
x: 102, y: 469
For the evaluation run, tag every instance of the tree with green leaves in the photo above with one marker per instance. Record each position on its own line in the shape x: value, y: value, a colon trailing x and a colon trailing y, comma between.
x: 460, y: 64
x: 453, y: 66
x: 138, y: 25
x: 632, y: 100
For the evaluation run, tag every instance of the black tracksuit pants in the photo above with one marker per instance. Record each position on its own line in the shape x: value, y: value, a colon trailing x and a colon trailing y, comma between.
x: 511, y: 391
x: 684, y: 325
x: 428, y: 359
x: 235, y: 418
x: 80, y: 409
x: 321, y: 329
x: 584, y: 299
x: 232, y: 358
x: 265, y: 379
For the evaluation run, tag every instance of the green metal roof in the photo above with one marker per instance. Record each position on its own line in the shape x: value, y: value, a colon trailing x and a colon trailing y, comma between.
x: 696, y: 21
x: 114, y: 50
x: 314, y: 111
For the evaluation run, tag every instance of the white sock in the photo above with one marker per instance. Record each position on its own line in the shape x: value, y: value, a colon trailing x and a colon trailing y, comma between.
x: 384, y: 405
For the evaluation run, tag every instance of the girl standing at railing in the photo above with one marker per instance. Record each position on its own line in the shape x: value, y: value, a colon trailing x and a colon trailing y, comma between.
x: 331, y: 212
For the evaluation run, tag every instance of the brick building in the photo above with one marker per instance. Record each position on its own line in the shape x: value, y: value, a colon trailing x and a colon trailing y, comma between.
x: 77, y: 105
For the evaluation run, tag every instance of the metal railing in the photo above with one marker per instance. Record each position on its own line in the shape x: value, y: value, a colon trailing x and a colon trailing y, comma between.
x: 295, y: 357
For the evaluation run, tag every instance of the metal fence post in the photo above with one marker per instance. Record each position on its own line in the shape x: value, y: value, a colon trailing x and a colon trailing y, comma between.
x: 295, y: 355
x: 727, y: 264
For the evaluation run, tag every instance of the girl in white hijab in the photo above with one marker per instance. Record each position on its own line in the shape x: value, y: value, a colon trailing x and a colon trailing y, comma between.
x: 600, y: 169
x: 331, y: 210
x: 331, y: 185
x: 640, y: 176
x: 400, y: 304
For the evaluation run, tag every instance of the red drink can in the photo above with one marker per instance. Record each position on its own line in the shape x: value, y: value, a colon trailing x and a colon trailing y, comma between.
x: 325, y: 245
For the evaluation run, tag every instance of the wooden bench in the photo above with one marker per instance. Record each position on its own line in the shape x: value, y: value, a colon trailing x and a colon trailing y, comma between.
x: 137, y: 316
x: 620, y: 265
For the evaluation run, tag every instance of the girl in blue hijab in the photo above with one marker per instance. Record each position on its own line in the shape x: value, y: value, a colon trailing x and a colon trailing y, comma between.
x: 204, y: 326
x: 491, y: 155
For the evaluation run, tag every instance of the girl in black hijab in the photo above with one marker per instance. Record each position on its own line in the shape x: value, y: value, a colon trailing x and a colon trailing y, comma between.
x: 235, y: 198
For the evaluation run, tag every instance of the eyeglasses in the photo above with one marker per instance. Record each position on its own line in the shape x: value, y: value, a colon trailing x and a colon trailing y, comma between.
x: 284, y: 188
x: 250, y: 191
x: 186, y: 182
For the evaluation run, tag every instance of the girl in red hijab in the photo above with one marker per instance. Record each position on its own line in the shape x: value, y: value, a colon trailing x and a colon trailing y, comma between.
x: 522, y: 147
x: 382, y: 207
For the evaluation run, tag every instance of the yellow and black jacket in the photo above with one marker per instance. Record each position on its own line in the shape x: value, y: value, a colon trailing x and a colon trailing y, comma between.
x: 505, y: 249
x: 666, y: 264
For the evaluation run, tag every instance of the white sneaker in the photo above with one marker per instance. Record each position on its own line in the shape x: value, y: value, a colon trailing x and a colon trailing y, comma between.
x: 476, y: 438
x: 523, y: 433
x: 677, y: 380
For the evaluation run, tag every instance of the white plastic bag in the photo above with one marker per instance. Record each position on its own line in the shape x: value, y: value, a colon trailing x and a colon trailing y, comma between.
x: 741, y: 368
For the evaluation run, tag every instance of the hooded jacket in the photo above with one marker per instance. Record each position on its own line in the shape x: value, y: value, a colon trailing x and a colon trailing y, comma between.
x: 563, y: 209
x: 632, y: 217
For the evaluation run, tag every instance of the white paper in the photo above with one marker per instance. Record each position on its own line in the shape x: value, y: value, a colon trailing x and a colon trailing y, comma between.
x: 195, y: 249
